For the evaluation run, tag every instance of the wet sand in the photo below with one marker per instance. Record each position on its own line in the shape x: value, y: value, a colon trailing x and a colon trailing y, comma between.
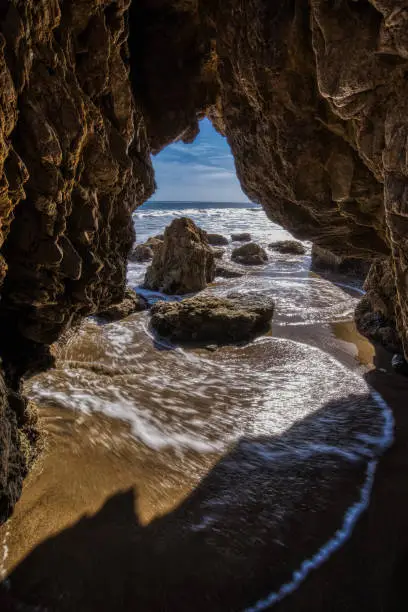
x: 153, y: 544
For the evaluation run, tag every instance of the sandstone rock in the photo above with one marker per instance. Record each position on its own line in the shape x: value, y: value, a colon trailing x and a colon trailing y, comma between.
x: 132, y: 302
x: 211, y: 319
x: 141, y: 253
x: 185, y: 263
x: 243, y: 237
x: 216, y: 239
x: 293, y: 247
x: 228, y: 271
x: 250, y: 254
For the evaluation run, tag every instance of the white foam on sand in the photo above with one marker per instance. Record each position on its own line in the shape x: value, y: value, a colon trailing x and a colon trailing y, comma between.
x: 4, y: 553
x: 350, y: 518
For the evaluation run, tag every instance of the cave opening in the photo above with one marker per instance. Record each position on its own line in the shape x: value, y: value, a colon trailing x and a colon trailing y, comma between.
x: 209, y: 374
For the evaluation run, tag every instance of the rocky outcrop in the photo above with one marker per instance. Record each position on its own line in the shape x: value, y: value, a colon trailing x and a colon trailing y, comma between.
x: 74, y: 163
x: 210, y: 319
x: 250, y: 254
x: 185, y: 262
x: 131, y: 303
x: 292, y: 247
x: 313, y: 100
x: 324, y: 260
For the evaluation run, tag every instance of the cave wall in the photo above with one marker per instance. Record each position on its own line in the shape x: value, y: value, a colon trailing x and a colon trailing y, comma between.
x: 311, y: 94
x: 74, y: 163
x: 313, y: 99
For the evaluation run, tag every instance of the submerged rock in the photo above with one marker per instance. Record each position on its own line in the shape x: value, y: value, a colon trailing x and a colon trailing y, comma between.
x: 250, y: 255
x: 211, y: 319
x: 185, y: 263
x: 243, y: 237
x: 217, y: 239
x: 293, y: 247
x: 141, y: 253
x: 228, y: 271
x: 132, y: 302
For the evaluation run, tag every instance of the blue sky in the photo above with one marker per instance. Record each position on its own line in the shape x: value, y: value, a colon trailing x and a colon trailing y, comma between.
x: 202, y: 171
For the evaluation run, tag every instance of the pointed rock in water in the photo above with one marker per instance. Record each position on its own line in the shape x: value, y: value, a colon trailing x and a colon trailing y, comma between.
x: 250, y: 254
x: 216, y: 239
x: 211, y: 319
x: 185, y: 263
x: 293, y: 247
x: 132, y: 302
x: 244, y: 237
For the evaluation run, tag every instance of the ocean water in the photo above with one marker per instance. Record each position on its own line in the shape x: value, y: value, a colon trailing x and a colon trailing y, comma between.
x: 287, y: 419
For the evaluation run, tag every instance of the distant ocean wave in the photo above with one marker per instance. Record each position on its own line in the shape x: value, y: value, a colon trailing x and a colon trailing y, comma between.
x: 196, y: 205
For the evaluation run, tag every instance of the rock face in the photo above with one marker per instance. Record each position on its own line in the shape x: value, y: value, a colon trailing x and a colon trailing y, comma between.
x: 250, y: 254
x: 292, y: 247
x: 313, y: 100
x: 211, y: 319
x: 74, y: 162
x: 185, y: 263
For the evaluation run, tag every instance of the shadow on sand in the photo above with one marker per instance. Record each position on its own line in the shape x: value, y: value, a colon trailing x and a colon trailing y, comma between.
x: 241, y: 534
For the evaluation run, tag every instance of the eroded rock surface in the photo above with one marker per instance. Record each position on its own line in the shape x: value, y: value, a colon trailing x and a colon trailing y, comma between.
x: 211, y: 319
x: 74, y: 162
x: 185, y: 263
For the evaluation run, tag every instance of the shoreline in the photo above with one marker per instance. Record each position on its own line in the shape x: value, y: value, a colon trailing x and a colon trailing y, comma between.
x: 90, y: 500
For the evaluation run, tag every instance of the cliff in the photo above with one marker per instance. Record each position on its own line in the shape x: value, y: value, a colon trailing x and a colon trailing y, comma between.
x: 312, y: 96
